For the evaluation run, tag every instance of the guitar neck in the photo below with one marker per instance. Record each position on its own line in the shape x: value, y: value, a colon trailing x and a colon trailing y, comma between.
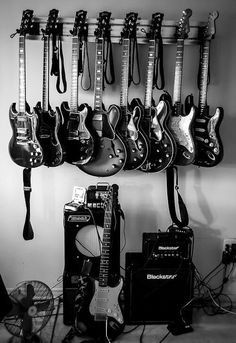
x: 178, y: 72
x: 149, y: 77
x: 74, y: 75
x: 98, y: 82
x: 45, y: 97
x: 125, y: 73
x: 22, y: 75
x: 204, y: 65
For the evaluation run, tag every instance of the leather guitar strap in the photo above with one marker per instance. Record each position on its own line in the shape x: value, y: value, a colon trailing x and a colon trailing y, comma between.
x: 108, y: 63
x: 158, y: 67
x: 58, y: 68
x: 172, y: 186
x: 28, y: 233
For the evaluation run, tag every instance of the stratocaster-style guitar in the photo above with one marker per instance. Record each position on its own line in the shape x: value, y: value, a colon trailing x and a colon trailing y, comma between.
x: 77, y: 138
x: 109, y: 150
x: 209, y: 150
x: 129, y: 125
x: 49, y: 120
x: 24, y: 147
x: 180, y: 124
x: 162, y: 146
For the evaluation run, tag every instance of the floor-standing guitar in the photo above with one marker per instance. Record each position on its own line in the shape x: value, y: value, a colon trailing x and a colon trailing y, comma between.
x: 109, y: 150
x: 162, y: 147
x: 77, y: 139
x: 24, y: 147
x: 180, y: 124
x: 49, y: 120
x: 129, y: 125
x: 206, y: 127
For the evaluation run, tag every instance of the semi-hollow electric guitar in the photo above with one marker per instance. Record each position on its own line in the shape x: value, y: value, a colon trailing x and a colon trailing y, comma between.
x: 209, y: 150
x: 77, y: 139
x: 162, y: 146
x: 181, y: 124
x: 24, y: 147
x: 109, y: 155
x: 49, y: 120
x: 131, y: 114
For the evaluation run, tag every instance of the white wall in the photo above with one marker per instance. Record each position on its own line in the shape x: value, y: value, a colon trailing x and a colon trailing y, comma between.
x: 209, y: 193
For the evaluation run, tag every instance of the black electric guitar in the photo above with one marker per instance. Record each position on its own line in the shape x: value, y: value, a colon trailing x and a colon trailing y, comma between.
x: 77, y: 139
x: 206, y: 126
x: 181, y: 124
x: 49, y: 120
x: 162, y: 146
x: 131, y: 115
x: 24, y: 147
x: 109, y: 150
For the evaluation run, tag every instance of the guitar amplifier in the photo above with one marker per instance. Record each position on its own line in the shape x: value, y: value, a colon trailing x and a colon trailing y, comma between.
x: 157, y: 294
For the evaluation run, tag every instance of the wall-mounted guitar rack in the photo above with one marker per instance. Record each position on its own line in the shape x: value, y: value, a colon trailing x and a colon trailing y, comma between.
x: 168, y: 30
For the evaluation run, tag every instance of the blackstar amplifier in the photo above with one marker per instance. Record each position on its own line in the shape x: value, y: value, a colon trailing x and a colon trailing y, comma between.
x: 156, y: 294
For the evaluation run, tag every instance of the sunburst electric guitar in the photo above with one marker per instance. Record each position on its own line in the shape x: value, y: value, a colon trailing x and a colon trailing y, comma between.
x: 24, y: 147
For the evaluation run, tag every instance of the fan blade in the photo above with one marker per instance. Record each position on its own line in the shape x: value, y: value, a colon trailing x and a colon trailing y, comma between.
x: 27, y: 324
x: 28, y: 300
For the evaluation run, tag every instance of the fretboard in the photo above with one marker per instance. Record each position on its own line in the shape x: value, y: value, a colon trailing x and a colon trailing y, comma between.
x: 98, y: 82
x: 178, y: 72
x: 204, y: 64
x: 149, y: 76
x: 74, y: 75
x: 124, y: 73
x: 22, y: 75
x: 45, y: 98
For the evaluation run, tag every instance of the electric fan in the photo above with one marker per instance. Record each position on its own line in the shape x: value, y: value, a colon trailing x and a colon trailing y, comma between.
x: 33, y: 305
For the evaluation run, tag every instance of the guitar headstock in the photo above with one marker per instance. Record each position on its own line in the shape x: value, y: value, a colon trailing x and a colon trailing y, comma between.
x: 183, y: 27
x: 210, y: 28
x: 155, y: 26
x: 130, y: 25
x: 104, y: 26
x: 26, y: 22
x: 80, y: 25
x: 51, y: 22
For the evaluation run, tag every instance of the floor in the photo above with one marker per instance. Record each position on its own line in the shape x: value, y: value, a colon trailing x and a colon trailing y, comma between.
x: 206, y: 329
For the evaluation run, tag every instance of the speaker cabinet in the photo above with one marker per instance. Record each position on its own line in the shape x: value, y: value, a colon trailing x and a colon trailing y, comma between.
x: 5, y: 302
x: 156, y: 294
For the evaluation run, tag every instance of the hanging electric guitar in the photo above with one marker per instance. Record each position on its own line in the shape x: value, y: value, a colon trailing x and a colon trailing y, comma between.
x: 131, y: 115
x: 109, y: 150
x: 49, y: 120
x: 162, y: 146
x: 24, y: 147
x: 77, y: 140
x: 206, y: 127
x: 180, y: 124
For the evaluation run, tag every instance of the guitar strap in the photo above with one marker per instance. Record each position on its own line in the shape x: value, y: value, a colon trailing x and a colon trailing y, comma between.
x: 28, y: 233
x: 158, y: 67
x: 58, y: 68
x: 172, y: 186
x: 83, y: 64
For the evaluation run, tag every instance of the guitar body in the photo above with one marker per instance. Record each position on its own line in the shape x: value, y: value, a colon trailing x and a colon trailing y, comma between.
x: 181, y: 127
x: 77, y: 140
x: 24, y: 147
x: 209, y: 146
x: 109, y: 155
x: 49, y: 123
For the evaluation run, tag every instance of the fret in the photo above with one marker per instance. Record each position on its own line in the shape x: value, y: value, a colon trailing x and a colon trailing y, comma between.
x: 149, y: 76
x: 22, y: 75
x: 204, y: 64
x: 98, y: 82
x: 178, y: 71
x: 124, y: 73
x: 45, y: 97
x: 74, y: 75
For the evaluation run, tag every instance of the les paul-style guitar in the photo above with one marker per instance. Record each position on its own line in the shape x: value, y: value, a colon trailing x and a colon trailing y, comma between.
x: 131, y: 114
x: 206, y: 127
x: 24, y: 147
x: 181, y: 124
x: 162, y: 146
x: 109, y: 150
x: 77, y: 139
x: 49, y: 120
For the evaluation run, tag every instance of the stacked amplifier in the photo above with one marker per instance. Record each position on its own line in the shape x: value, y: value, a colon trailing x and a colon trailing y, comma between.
x: 159, y: 280
x: 83, y: 231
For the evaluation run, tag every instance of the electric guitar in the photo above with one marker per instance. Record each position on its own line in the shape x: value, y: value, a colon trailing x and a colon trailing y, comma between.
x: 24, y: 147
x: 206, y: 126
x: 180, y: 124
x: 162, y: 146
x: 131, y: 115
x: 109, y: 155
x: 77, y: 139
x: 49, y: 120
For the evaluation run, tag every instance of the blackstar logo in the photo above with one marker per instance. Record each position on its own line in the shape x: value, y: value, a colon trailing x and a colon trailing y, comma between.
x: 161, y: 276
x: 79, y: 218
x: 168, y: 248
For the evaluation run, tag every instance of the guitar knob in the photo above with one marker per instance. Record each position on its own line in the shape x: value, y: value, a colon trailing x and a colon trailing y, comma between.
x: 211, y: 145
x: 135, y: 159
x: 141, y: 155
x: 133, y: 150
x: 120, y: 160
x: 119, y: 151
x: 113, y: 166
x: 160, y: 160
x: 110, y: 156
